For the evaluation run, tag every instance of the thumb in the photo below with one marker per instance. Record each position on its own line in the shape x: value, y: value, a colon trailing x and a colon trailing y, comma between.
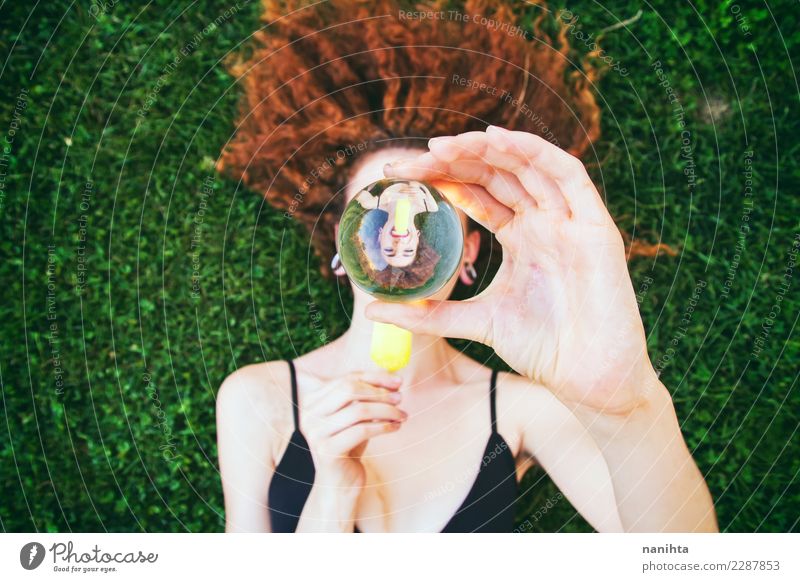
x: 455, y: 319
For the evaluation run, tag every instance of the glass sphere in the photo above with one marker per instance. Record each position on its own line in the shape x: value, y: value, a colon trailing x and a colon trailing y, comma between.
x: 400, y: 240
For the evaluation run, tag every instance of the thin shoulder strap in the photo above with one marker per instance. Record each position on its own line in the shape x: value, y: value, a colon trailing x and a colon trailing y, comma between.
x: 493, y: 400
x: 295, y: 406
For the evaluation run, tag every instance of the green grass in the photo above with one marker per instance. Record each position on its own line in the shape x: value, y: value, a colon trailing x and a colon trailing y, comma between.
x: 85, y: 451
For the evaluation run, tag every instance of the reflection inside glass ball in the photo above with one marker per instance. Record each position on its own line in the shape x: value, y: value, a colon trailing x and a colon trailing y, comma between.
x: 400, y: 239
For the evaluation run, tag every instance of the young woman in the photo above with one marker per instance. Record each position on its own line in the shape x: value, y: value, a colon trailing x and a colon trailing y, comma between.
x: 327, y: 442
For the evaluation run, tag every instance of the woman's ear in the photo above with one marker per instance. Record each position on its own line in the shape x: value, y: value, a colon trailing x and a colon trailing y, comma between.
x: 472, y: 246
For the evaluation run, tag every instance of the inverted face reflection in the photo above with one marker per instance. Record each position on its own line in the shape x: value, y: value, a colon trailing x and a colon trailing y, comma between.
x: 399, y: 249
x: 401, y: 201
x: 400, y: 239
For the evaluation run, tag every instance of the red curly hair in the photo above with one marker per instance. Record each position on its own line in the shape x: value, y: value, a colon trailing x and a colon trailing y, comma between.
x: 338, y: 77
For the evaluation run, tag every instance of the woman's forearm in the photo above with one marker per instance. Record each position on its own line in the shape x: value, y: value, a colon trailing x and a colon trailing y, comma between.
x: 658, y: 486
x: 331, y: 507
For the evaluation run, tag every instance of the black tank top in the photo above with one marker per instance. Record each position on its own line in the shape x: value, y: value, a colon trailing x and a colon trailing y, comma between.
x: 488, y: 507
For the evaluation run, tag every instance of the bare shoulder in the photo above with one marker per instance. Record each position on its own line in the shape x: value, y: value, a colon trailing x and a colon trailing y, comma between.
x: 515, y: 388
x: 266, y: 384
x: 525, y: 406
x: 255, y: 401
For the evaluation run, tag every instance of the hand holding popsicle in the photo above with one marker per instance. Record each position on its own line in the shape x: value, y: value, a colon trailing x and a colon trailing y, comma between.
x: 339, y: 420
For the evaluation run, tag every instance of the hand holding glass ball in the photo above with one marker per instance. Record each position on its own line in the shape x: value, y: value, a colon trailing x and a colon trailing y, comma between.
x: 399, y: 240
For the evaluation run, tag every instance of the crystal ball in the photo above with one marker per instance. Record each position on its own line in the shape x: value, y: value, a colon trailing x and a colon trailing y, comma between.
x: 400, y: 240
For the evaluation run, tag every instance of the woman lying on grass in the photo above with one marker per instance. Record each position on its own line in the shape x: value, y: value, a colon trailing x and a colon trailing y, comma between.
x: 328, y: 442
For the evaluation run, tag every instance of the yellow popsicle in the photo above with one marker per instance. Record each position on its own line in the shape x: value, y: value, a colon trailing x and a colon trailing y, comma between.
x: 402, y: 214
x: 391, y: 346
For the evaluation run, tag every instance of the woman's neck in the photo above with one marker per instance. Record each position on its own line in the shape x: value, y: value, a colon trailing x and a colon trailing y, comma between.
x: 431, y: 356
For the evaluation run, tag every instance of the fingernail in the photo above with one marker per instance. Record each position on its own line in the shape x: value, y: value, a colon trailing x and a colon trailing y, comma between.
x: 388, y: 170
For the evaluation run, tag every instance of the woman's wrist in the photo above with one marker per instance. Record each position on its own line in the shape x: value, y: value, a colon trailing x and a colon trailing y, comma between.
x: 336, y: 484
x: 331, y: 504
x: 648, y: 400
x: 618, y: 397
x: 652, y: 407
x: 656, y: 481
